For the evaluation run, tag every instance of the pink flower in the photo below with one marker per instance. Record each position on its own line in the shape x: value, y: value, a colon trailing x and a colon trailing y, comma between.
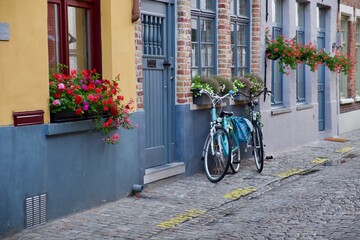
x: 56, y: 102
x: 61, y: 86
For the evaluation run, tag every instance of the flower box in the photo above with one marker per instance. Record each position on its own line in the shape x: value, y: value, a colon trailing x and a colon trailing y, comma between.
x: 198, y: 99
x: 69, y: 116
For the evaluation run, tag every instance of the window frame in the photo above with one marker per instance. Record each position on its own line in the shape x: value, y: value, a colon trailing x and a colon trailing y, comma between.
x: 199, y: 15
x: 300, y: 70
x: 357, y: 34
x: 238, y: 20
x: 93, y: 6
x: 344, y: 49
x: 275, y: 69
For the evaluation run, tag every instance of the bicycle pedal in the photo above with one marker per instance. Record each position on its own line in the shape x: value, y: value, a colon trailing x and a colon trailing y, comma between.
x: 236, y: 162
x: 269, y: 157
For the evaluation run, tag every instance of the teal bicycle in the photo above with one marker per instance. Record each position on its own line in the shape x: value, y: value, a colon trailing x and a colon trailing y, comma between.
x: 218, y: 151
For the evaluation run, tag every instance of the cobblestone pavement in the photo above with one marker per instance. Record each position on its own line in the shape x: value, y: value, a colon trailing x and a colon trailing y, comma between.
x: 312, y: 192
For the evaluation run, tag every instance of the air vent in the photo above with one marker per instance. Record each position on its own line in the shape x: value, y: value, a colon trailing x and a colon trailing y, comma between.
x: 35, y: 210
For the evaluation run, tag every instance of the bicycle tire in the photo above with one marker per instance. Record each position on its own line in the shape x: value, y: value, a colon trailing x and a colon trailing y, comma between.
x: 258, y: 147
x: 235, y: 156
x: 217, y: 165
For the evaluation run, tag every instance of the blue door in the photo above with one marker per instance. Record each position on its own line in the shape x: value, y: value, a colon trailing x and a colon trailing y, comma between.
x: 158, y: 71
x: 321, y: 85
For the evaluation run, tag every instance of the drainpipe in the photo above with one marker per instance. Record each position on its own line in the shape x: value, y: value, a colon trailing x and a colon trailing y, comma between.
x: 135, y: 11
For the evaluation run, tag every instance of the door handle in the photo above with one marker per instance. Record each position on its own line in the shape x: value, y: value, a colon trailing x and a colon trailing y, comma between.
x: 166, y: 63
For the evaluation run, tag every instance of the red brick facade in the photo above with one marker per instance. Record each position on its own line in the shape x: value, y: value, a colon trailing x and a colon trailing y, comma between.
x: 351, y: 77
x: 183, y: 68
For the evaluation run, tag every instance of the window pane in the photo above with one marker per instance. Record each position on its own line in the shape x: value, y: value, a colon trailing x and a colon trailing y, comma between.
x: 241, y: 35
x: 194, y: 47
x: 321, y: 18
x: 232, y: 7
x: 207, y: 31
x: 207, y: 5
x: 300, y: 15
x: 78, y: 28
x: 357, y: 71
x: 242, y: 8
x: 193, y: 4
x: 53, y: 35
x: 277, y: 11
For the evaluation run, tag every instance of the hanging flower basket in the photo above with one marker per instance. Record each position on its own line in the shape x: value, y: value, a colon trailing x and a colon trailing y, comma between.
x: 272, y: 55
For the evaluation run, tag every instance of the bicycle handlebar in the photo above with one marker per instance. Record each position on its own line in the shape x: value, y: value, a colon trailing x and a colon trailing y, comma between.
x: 215, y: 97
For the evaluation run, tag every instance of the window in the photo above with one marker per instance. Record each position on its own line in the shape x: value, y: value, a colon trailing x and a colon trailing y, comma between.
x: 203, y: 35
x: 277, y: 76
x: 74, y: 34
x: 358, y: 57
x: 343, y: 49
x: 239, y: 10
x: 300, y: 37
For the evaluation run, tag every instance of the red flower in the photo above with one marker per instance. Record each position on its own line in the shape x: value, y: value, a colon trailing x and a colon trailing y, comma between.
x: 120, y: 97
x: 78, y: 111
x: 114, y: 111
x: 57, y: 95
x: 78, y: 99
x: 106, y: 108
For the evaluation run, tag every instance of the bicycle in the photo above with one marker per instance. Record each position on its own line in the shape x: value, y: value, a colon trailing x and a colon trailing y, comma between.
x: 256, y: 138
x: 218, y: 152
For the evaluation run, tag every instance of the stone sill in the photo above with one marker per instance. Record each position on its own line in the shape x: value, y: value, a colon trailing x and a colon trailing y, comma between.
x: 346, y: 101
x: 304, y: 106
x: 357, y: 99
x: 280, y: 110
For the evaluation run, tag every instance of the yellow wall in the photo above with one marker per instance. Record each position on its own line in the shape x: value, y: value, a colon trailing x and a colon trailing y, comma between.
x: 23, y: 59
x: 118, y: 44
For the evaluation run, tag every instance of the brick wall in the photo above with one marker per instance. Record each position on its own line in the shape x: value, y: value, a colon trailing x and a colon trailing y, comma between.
x: 256, y: 31
x: 224, y: 41
x: 138, y: 64
x: 183, y: 83
x: 351, y: 77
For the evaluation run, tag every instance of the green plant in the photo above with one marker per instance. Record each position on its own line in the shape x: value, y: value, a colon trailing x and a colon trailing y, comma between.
x: 240, y: 83
x: 257, y: 83
x: 86, y: 92
x: 226, y: 85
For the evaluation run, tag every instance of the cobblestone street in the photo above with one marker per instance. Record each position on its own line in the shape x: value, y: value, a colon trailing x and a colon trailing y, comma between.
x: 312, y: 192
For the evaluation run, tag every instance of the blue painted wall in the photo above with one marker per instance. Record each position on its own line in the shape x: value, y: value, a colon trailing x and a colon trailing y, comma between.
x: 76, y: 169
x: 192, y: 128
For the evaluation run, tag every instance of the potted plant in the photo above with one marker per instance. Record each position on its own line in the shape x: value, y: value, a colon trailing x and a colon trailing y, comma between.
x: 249, y: 83
x: 85, y: 94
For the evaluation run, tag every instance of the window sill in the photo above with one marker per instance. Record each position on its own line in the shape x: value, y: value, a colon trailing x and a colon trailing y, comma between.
x: 346, y: 101
x: 304, y: 106
x: 69, y: 127
x: 357, y: 99
x: 280, y: 110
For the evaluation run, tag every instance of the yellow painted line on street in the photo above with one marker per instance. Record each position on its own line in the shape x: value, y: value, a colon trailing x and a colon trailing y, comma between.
x: 181, y: 218
x: 344, y: 150
x: 290, y: 172
x: 239, y: 193
x: 319, y: 160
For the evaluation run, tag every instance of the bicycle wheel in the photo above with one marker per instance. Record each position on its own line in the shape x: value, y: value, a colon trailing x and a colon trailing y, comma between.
x: 217, y: 155
x: 258, y: 147
x: 235, y: 155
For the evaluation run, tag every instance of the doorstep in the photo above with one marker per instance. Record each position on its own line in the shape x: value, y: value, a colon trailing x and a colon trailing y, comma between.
x: 163, y: 171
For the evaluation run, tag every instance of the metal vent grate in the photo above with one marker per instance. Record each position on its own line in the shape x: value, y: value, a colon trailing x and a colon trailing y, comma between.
x: 35, y: 210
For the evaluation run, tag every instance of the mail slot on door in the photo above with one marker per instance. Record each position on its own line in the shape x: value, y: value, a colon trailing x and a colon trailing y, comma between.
x: 151, y: 63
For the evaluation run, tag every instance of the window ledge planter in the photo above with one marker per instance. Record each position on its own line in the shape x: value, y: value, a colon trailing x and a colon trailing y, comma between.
x: 198, y: 99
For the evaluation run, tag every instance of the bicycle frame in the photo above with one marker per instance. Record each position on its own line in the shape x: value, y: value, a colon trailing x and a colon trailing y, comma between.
x: 216, y: 121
